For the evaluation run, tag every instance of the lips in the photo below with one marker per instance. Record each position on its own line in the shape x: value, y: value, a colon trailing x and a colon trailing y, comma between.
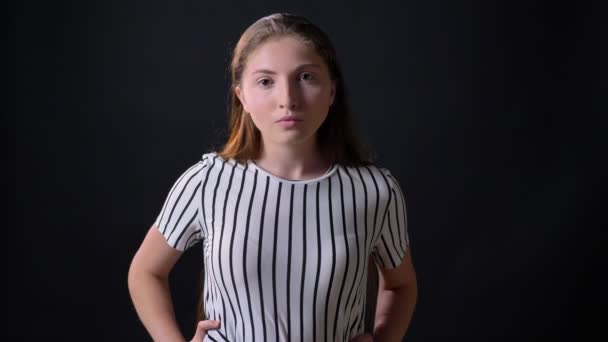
x: 289, y: 118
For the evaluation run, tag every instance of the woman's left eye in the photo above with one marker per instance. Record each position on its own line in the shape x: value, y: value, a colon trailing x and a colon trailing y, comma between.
x: 306, y: 76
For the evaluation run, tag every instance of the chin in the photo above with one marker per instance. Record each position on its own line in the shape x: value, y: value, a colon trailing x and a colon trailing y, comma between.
x: 295, y: 139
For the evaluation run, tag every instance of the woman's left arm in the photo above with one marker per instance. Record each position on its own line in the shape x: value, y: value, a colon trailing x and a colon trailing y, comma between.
x: 397, y: 295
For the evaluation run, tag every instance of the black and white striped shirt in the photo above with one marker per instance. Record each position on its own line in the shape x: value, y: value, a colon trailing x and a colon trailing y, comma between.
x: 285, y: 260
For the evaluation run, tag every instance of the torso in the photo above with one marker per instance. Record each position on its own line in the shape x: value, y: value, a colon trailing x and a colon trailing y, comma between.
x: 286, y: 260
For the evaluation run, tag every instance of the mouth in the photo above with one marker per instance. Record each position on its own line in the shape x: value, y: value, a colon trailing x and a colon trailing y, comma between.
x: 288, y: 119
x: 289, y: 123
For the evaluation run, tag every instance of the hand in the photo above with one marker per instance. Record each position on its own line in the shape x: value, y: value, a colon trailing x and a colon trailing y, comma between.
x: 363, y: 338
x: 201, y: 329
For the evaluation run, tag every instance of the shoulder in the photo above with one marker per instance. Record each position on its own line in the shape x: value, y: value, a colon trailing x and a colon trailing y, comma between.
x: 196, y: 169
x: 373, y: 177
x: 216, y: 167
x: 386, y: 172
x: 199, y: 165
x: 214, y: 159
x: 392, y: 178
x: 369, y: 171
x: 389, y: 182
x: 389, y: 176
x: 207, y: 158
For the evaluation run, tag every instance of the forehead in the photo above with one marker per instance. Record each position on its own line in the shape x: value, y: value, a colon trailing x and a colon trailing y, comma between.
x: 282, y: 54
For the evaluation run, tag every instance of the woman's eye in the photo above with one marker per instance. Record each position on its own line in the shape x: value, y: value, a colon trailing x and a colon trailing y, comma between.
x: 306, y: 76
x: 264, y: 82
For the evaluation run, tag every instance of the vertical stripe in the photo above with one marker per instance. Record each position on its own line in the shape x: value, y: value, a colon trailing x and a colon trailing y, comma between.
x: 201, y: 203
x: 391, y: 231
x: 362, y: 303
x: 234, y: 228
x: 390, y: 197
x: 251, y: 200
x: 381, y: 233
x: 219, y: 254
x: 207, y: 283
x: 345, y: 234
x: 399, y: 226
x: 214, y: 271
x: 303, y: 265
x: 388, y: 253
x: 314, y: 301
x: 274, y: 262
x: 260, y: 249
x: 206, y: 289
x: 377, y: 205
x: 371, y: 239
x: 365, y: 244
x: 356, y: 278
x: 333, y: 255
x: 203, y: 198
x: 289, y: 232
x: 402, y: 206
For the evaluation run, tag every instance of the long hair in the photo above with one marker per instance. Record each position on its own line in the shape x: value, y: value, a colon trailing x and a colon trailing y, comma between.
x: 335, y: 136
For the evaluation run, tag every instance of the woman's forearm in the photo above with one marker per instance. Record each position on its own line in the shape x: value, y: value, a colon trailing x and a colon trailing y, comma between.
x: 152, y: 300
x: 394, y: 310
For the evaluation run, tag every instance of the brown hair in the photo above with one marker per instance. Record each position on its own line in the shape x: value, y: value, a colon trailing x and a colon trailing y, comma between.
x: 335, y: 136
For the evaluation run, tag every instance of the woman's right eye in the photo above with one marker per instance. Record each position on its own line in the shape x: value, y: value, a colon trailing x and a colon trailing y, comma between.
x: 264, y: 82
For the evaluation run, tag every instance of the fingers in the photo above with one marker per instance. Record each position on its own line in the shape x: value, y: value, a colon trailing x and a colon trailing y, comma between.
x: 208, y: 325
x: 202, y: 327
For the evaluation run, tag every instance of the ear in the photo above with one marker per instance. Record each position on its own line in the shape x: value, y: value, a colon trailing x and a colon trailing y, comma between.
x: 239, y: 93
x: 332, y: 93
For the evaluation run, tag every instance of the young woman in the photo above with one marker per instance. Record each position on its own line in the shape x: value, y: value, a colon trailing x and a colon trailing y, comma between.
x: 289, y: 211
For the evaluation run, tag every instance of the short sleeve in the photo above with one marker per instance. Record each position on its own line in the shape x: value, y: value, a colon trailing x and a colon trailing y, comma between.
x: 179, y: 220
x: 393, y: 242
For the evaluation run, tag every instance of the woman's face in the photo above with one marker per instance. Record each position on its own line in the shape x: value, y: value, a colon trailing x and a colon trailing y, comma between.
x: 285, y: 79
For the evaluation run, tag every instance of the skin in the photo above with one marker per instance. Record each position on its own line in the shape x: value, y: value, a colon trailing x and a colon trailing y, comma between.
x: 284, y: 76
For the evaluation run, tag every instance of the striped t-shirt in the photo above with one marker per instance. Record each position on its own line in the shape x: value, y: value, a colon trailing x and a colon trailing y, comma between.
x: 285, y: 260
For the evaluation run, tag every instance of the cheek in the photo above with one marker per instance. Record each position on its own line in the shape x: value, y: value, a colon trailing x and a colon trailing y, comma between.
x: 320, y: 93
x: 259, y: 121
x: 318, y: 97
x: 260, y: 102
x: 259, y: 110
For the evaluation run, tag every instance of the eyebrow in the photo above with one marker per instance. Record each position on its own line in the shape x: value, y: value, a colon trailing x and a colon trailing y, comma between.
x: 271, y: 72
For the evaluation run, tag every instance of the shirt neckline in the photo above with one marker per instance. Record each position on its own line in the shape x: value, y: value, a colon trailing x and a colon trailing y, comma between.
x: 330, y: 171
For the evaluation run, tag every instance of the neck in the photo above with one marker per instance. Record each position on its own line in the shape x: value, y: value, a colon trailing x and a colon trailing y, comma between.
x: 294, y: 162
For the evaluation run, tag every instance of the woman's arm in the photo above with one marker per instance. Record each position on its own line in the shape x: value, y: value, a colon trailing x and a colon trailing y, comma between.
x: 149, y: 286
x: 397, y: 295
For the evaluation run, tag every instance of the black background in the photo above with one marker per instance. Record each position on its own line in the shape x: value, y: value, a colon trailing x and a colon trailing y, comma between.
x: 488, y: 113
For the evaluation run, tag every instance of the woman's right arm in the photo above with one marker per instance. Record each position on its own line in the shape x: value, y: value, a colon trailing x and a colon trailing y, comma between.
x: 149, y: 287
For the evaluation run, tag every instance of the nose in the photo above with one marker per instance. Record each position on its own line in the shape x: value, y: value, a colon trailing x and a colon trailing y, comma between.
x: 288, y: 95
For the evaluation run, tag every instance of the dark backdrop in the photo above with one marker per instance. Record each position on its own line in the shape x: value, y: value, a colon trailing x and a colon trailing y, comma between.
x: 488, y: 113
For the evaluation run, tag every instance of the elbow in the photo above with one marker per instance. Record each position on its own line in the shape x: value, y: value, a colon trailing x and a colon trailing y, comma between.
x: 132, y: 277
x: 139, y: 274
